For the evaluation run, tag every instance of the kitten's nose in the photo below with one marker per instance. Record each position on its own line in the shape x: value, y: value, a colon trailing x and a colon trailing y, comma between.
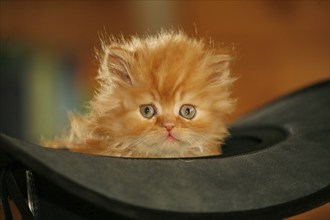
x: 168, y: 126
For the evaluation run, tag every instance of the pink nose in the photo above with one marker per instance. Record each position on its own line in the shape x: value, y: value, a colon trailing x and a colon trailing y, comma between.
x: 168, y: 126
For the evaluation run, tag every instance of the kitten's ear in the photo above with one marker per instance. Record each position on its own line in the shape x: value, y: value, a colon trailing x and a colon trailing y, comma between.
x: 221, y: 72
x: 222, y: 62
x: 116, y: 66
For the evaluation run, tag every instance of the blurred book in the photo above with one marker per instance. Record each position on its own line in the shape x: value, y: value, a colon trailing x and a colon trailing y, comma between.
x: 37, y: 89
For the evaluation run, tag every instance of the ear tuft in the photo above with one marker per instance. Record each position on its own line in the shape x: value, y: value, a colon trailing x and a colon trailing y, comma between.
x: 115, y: 66
x: 222, y: 62
x: 221, y: 72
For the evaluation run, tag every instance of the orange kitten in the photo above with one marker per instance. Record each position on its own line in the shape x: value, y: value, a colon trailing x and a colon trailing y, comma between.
x: 159, y: 96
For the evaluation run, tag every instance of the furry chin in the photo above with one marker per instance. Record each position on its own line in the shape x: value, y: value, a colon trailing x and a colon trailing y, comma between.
x: 163, y: 146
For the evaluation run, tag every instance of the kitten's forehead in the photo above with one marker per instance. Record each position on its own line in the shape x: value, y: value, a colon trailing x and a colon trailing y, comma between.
x: 176, y: 70
x: 169, y: 75
x: 168, y: 99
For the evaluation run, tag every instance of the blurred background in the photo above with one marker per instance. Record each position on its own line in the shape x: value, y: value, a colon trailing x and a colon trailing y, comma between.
x: 48, y: 62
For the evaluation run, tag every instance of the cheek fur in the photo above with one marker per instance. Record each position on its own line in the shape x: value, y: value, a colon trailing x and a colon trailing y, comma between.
x: 135, y: 124
x: 199, y: 123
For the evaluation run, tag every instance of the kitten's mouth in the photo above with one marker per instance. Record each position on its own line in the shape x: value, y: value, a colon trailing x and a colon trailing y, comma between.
x: 170, y: 137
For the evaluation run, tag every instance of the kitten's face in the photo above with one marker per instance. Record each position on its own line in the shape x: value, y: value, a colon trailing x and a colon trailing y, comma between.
x: 163, y: 101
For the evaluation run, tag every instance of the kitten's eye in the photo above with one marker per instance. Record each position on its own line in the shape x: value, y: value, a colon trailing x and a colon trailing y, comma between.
x: 147, y: 111
x: 188, y: 111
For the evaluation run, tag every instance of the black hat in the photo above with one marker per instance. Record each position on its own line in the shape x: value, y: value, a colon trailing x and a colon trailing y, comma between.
x: 275, y: 164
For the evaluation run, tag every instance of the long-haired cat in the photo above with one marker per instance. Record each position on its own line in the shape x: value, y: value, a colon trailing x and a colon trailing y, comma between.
x: 159, y: 96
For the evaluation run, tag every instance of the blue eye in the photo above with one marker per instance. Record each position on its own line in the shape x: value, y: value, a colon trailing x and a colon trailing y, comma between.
x: 148, y: 111
x: 188, y: 111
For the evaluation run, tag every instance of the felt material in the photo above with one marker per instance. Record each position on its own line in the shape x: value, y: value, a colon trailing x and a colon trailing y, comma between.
x: 275, y: 163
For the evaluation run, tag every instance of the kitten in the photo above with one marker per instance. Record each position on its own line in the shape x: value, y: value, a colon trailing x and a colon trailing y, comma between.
x: 160, y: 96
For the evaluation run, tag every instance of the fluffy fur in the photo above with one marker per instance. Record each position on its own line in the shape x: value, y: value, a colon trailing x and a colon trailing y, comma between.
x: 165, y: 71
